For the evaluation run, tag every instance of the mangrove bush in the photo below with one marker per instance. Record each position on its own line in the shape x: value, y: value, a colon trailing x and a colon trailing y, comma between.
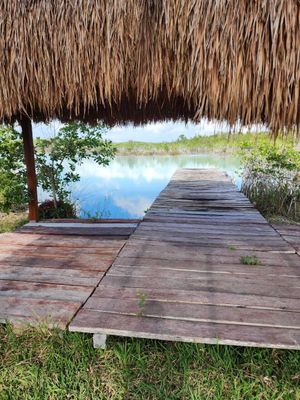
x: 271, y: 179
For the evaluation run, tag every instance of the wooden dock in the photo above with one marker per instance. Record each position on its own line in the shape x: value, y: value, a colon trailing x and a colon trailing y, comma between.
x: 48, y: 271
x: 184, y: 274
x: 290, y: 233
x: 203, y: 266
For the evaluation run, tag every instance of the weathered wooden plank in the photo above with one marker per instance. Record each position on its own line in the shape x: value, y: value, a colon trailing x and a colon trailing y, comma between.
x: 197, y: 313
x: 220, y: 235
x: 84, y: 261
x: 205, y: 212
x: 182, y: 233
x: 209, y: 279
x: 20, y: 310
x: 184, y: 201
x: 208, y: 240
x: 60, y: 241
x: 287, y: 229
x: 292, y: 239
x: 168, y: 329
x: 91, y: 221
x: 294, y: 244
x: 291, y: 234
x: 239, y: 285
x: 205, y: 269
x: 79, y: 262
x: 211, y: 230
x: 57, y: 251
x: 200, y: 297
x: 105, y: 232
x: 45, y: 291
x: 276, y: 247
x: 196, y: 261
x: 248, y: 214
x: 217, y: 220
x: 186, y: 252
x: 50, y: 275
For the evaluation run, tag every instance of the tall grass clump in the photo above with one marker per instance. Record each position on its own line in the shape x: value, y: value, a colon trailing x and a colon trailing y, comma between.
x: 271, y: 179
x: 10, y: 222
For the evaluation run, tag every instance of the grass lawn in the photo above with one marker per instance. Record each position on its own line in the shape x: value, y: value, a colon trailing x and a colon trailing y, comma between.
x: 41, y: 364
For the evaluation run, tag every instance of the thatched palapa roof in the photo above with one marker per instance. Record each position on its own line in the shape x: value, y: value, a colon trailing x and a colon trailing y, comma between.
x: 141, y: 60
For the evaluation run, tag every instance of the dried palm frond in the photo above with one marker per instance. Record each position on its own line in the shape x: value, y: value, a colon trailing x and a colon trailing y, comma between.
x: 142, y: 60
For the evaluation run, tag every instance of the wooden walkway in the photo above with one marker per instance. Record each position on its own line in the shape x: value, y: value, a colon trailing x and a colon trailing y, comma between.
x: 183, y: 274
x: 48, y: 271
x: 290, y: 233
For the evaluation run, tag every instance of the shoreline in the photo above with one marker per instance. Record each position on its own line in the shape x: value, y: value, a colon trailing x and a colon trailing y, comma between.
x: 189, y: 152
x: 219, y: 144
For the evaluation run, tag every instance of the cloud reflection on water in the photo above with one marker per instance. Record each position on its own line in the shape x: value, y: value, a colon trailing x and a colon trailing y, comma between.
x: 130, y: 184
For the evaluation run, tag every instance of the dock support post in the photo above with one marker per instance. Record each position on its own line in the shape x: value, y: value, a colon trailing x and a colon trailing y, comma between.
x: 99, y: 341
x: 26, y: 126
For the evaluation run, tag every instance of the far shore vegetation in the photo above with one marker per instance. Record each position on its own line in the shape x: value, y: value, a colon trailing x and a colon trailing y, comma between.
x: 228, y: 143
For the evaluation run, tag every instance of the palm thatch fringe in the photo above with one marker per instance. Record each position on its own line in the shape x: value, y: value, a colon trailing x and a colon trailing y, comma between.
x: 141, y: 60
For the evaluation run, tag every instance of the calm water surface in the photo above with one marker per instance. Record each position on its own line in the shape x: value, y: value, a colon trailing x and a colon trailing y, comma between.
x: 128, y: 186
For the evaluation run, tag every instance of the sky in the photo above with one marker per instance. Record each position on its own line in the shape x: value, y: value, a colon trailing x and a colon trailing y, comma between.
x: 152, y: 132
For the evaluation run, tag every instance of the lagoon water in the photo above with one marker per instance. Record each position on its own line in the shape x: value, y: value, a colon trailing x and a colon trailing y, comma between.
x: 129, y: 185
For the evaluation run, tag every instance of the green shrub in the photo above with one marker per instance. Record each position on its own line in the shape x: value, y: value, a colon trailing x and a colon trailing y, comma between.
x: 56, y: 158
x: 13, y: 188
x: 271, y: 179
x: 63, y: 209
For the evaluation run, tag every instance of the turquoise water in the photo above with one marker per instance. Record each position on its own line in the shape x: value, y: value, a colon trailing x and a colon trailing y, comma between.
x: 129, y: 185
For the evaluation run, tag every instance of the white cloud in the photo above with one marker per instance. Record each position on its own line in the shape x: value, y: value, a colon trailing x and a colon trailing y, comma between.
x: 145, y: 169
x: 135, y: 206
x: 152, y: 132
x: 47, y: 130
x: 170, y: 131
